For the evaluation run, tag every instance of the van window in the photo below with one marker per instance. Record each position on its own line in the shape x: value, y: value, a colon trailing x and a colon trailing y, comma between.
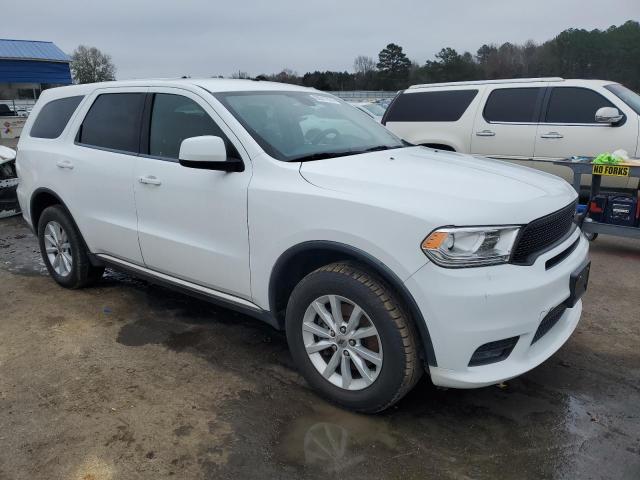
x: 113, y: 122
x: 513, y: 105
x: 54, y: 116
x: 441, y: 106
x: 175, y: 118
x: 574, y: 105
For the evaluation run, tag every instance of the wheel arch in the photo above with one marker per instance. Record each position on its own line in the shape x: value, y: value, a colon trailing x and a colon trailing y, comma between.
x: 299, y: 260
x: 44, y: 197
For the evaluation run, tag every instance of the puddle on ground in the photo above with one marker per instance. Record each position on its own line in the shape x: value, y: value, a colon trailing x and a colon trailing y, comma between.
x: 334, y: 441
x: 145, y: 332
x: 434, y: 433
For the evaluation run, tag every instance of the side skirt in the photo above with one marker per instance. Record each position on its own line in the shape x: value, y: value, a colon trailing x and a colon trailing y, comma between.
x: 192, y: 289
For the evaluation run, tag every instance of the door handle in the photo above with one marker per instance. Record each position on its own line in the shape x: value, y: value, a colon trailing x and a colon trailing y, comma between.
x: 552, y: 135
x: 64, y: 164
x: 485, y: 133
x: 149, y: 180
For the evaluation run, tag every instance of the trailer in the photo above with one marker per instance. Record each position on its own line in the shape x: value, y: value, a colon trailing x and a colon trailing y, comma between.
x: 585, y: 166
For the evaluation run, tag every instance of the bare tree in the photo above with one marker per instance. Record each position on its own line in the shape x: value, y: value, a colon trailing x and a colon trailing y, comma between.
x: 240, y: 75
x: 88, y: 65
x: 364, y: 65
x: 286, y: 76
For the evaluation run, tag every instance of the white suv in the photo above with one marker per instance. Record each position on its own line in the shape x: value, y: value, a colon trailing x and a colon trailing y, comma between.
x: 527, y: 121
x: 379, y: 259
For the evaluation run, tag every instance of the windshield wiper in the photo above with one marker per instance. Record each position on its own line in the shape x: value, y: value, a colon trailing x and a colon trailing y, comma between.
x: 325, y: 155
x: 322, y: 156
x: 377, y: 149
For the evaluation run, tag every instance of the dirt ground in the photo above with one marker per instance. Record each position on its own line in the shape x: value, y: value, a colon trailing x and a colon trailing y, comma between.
x: 127, y: 380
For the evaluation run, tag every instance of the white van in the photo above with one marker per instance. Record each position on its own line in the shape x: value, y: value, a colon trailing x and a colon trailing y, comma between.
x: 527, y: 121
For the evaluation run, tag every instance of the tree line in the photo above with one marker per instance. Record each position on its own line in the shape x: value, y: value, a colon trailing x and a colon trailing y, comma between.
x: 611, y: 54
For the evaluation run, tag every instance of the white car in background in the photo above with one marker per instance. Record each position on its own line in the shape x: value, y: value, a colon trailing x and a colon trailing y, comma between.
x: 8, y: 183
x: 380, y: 260
x: 530, y: 122
x: 374, y: 110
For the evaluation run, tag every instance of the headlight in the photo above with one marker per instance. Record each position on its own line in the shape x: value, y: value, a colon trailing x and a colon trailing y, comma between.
x: 459, y: 247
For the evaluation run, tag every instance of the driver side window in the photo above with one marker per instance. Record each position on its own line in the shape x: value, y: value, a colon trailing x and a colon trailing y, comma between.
x: 574, y: 105
x: 175, y: 118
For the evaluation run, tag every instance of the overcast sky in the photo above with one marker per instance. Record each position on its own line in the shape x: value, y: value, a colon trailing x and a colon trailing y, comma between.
x: 159, y: 38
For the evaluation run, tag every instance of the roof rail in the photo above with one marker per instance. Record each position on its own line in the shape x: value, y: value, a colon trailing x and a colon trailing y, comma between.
x: 486, y: 82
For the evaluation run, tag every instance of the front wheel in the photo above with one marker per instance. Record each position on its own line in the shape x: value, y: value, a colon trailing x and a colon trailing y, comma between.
x: 351, y: 339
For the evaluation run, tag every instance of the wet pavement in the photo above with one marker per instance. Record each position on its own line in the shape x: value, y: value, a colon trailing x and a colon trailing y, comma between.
x: 129, y: 380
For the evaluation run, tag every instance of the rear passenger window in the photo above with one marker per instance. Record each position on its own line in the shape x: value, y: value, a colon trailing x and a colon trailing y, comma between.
x: 513, y: 105
x: 175, y: 118
x: 113, y: 122
x: 445, y: 106
x: 54, y: 116
x: 574, y: 105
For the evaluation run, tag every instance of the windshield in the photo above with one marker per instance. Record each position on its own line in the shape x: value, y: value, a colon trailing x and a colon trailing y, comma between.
x: 629, y: 97
x: 375, y: 109
x: 299, y: 126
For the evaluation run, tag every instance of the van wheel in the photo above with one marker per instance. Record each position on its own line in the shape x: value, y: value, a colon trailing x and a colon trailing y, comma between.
x: 351, y: 339
x: 63, y: 250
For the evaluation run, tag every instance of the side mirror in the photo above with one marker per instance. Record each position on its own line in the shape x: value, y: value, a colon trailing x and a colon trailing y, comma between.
x: 7, y: 154
x: 209, y: 153
x: 609, y: 115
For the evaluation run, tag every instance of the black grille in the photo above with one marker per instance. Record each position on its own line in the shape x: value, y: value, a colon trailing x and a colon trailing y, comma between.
x: 493, y: 352
x: 548, y: 322
x: 539, y: 235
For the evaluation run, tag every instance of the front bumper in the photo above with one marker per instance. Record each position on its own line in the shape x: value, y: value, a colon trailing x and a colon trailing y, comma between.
x: 467, y: 308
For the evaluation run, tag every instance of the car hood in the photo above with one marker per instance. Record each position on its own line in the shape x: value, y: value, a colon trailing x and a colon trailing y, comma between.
x: 446, y: 187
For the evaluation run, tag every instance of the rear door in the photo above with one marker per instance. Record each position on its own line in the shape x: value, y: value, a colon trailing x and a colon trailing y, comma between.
x: 99, y: 171
x: 506, y: 126
x: 568, y: 128
x: 192, y: 222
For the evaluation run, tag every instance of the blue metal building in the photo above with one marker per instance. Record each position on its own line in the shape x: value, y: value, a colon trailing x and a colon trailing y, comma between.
x: 28, y: 67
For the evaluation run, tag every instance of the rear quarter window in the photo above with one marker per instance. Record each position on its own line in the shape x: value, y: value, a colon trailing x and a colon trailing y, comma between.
x: 54, y: 116
x: 442, y: 106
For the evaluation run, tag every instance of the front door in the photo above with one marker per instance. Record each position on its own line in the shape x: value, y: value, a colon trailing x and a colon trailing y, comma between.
x: 192, y: 223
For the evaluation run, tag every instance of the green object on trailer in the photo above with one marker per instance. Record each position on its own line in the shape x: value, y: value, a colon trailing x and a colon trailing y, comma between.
x: 607, y: 159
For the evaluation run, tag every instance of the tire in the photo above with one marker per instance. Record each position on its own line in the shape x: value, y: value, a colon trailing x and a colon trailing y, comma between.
x: 73, y: 268
x: 394, y: 344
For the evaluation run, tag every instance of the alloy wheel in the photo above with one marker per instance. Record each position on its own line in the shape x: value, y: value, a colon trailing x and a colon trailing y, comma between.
x: 342, y: 342
x: 58, y: 248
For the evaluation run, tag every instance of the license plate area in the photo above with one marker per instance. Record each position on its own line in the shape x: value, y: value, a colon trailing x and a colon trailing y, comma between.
x: 578, y: 284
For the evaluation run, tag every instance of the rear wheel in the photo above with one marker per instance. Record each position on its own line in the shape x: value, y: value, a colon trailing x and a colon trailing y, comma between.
x: 351, y: 339
x: 63, y: 250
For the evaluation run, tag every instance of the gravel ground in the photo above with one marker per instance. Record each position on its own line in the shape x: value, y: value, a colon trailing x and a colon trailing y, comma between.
x: 127, y: 380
